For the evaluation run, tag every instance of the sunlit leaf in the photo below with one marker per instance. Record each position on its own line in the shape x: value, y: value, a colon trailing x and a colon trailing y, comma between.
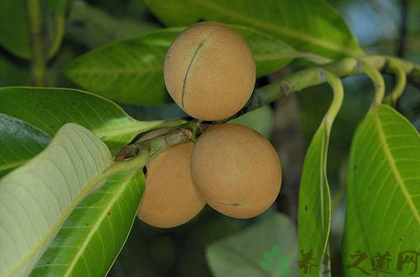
x: 36, y: 198
x: 383, y: 192
x: 92, y: 237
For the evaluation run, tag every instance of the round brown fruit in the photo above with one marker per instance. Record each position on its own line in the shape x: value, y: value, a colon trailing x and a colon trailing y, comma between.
x: 210, y: 71
x: 236, y: 170
x: 170, y: 198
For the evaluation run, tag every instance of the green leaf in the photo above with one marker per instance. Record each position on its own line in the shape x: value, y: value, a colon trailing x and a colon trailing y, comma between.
x: 49, y: 108
x: 310, y: 26
x: 267, y: 257
x: 93, y: 27
x: 275, y: 251
x: 241, y: 254
x: 131, y: 71
x: 14, y: 31
x: 314, y: 215
x: 93, y: 235
x: 16, y: 39
x: 37, y: 198
x: 265, y: 265
x: 261, y: 120
x: 19, y: 142
x: 383, y: 191
x: 128, y: 71
x: 283, y: 260
x: 12, y: 73
x: 270, y: 53
x: 315, y: 199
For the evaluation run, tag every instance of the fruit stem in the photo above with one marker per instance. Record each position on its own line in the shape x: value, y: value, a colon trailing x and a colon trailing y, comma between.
x: 376, y: 77
x: 155, y: 145
x: 338, y: 95
x: 401, y: 82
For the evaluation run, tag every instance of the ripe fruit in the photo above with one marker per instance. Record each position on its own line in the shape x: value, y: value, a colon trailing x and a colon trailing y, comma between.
x: 210, y: 71
x: 236, y: 170
x: 170, y: 198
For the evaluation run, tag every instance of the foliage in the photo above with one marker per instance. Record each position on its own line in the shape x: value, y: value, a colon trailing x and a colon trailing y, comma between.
x: 69, y: 194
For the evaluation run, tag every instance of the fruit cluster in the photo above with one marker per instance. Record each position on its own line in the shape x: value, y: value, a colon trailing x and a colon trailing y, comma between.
x: 210, y: 73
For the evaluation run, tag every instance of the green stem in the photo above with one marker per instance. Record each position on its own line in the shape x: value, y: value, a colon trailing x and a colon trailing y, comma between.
x: 138, y: 162
x: 338, y: 91
x: 401, y: 82
x: 155, y: 145
x: 376, y: 77
x: 58, y: 36
x: 38, y: 58
x: 341, y: 68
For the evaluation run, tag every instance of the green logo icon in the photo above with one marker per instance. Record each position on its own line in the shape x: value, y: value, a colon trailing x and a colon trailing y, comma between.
x: 272, y: 261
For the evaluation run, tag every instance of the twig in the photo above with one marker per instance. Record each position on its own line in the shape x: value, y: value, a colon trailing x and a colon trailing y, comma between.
x: 400, y: 83
x: 38, y: 59
x: 341, y: 68
x: 155, y: 145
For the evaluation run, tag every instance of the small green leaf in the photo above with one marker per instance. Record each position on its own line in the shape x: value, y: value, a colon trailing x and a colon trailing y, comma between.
x: 268, y: 257
x: 283, y: 260
x: 284, y: 271
x: 261, y: 120
x: 266, y: 266
x: 275, y: 251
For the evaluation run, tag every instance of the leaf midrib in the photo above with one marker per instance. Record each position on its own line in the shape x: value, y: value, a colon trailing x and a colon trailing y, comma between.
x: 97, y: 223
x: 95, y: 180
x: 286, y: 31
x: 391, y: 162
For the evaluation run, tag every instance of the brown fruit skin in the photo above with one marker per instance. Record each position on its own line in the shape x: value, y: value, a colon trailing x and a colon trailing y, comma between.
x: 236, y: 170
x: 170, y: 198
x: 210, y: 71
